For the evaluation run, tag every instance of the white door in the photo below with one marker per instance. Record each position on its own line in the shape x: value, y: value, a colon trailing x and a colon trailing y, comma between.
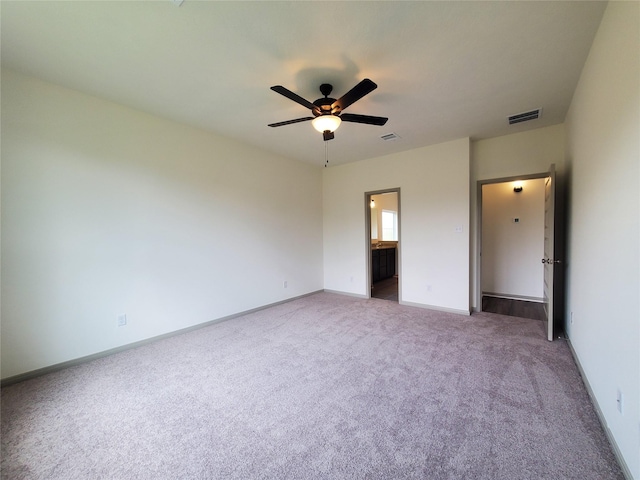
x: 550, y: 261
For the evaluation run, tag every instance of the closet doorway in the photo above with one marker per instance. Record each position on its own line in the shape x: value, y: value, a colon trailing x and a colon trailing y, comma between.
x: 512, y: 244
x: 383, y: 243
x: 521, y: 245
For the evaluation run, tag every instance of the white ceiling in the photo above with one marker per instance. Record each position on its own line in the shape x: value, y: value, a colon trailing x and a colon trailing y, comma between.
x: 444, y: 70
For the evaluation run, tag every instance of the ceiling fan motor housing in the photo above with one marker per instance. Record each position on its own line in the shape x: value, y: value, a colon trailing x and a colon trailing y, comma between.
x: 325, y: 103
x: 324, y: 107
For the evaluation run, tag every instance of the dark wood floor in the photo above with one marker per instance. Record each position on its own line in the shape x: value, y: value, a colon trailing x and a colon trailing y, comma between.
x: 513, y: 308
x: 386, y: 289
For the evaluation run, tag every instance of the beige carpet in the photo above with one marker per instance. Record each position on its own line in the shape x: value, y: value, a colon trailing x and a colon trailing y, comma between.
x: 324, y: 387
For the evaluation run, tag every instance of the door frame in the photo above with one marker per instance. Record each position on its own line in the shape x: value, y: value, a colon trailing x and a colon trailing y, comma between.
x: 478, y: 239
x: 367, y: 238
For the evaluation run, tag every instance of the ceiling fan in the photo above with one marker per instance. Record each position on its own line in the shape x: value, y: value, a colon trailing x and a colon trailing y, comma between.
x: 327, y: 112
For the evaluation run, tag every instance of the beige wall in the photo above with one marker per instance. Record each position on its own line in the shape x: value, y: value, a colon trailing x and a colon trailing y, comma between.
x: 434, y: 224
x: 603, y: 160
x: 109, y: 211
x: 520, y: 154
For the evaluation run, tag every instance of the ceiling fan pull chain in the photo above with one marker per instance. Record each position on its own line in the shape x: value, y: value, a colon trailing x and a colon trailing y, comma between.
x: 326, y: 154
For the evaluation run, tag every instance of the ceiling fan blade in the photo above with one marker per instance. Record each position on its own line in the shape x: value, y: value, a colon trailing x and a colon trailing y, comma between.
x: 368, y: 119
x: 289, y: 122
x: 293, y: 96
x: 327, y: 135
x: 356, y: 93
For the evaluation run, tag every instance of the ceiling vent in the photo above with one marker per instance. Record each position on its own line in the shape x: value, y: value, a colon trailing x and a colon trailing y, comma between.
x: 525, y: 117
x: 390, y: 136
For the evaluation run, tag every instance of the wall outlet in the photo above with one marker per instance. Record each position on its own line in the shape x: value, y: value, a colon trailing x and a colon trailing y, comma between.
x: 428, y: 288
x: 122, y: 320
x: 285, y: 284
x: 351, y: 279
x: 620, y: 401
x: 571, y: 318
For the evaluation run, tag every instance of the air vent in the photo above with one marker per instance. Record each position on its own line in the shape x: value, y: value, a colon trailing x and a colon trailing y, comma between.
x: 525, y: 117
x: 390, y: 136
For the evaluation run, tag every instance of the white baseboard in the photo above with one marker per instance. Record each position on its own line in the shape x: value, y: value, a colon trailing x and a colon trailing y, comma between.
x: 616, y: 450
x: 78, y: 361
x: 437, y: 308
x: 408, y: 304
x: 348, y: 294
x: 513, y: 297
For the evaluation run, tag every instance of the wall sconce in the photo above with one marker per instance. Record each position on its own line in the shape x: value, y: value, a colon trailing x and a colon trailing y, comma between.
x: 517, y: 188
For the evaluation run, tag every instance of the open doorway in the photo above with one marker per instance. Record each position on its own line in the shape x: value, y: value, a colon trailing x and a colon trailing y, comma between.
x: 512, y: 219
x: 383, y: 238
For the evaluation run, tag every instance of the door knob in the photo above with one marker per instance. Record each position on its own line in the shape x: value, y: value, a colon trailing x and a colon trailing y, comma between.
x: 550, y: 261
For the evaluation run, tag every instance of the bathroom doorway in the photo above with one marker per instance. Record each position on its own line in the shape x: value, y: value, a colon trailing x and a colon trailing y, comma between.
x: 383, y: 243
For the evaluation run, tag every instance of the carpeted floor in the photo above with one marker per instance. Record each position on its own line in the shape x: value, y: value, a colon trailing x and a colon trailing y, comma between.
x: 323, y: 387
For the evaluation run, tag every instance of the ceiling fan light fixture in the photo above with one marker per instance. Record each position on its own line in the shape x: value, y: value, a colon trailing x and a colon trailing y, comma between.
x: 325, y: 123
